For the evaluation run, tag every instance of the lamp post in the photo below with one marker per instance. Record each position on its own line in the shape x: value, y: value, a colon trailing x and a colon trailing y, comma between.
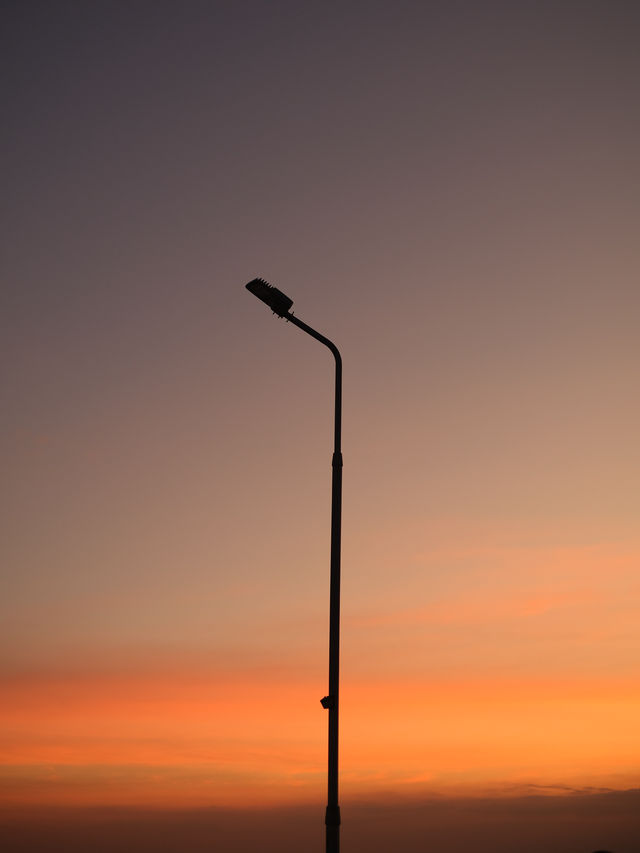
x: 281, y: 305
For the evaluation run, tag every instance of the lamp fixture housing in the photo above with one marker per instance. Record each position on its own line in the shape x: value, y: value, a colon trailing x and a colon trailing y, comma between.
x: 271, y: 296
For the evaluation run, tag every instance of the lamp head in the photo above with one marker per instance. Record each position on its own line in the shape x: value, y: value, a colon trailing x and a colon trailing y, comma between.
x: 271, y: 296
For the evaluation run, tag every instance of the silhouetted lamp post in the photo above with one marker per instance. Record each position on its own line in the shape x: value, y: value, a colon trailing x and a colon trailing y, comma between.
x: 281, y: 305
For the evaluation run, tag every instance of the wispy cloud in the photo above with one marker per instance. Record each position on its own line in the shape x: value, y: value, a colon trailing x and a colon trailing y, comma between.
x: 478, y: 609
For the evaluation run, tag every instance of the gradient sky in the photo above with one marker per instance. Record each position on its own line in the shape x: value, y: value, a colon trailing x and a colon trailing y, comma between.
x: 448, y: 190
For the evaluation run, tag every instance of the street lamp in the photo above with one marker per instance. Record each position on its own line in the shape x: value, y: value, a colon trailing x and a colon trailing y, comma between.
x: 281, y: 305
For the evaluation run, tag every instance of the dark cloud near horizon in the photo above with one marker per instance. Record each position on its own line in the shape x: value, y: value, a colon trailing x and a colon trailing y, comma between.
x: 563, y: 824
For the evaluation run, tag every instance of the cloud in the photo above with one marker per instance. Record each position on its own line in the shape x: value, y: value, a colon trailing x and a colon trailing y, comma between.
x: 572, y: 821
x: 486, y: 584
x: 478, y: 609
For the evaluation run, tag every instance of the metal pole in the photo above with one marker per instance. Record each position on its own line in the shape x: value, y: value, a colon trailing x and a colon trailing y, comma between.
x: 331, y: 702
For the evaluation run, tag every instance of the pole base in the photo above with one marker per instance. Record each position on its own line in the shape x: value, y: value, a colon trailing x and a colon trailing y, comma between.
x: 332, y: 820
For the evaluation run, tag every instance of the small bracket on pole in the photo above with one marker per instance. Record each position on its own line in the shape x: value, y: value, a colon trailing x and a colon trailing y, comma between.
x: 327, y: 702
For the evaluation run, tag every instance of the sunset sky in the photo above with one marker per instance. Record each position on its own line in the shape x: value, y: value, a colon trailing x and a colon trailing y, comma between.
x: 451, y: 192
